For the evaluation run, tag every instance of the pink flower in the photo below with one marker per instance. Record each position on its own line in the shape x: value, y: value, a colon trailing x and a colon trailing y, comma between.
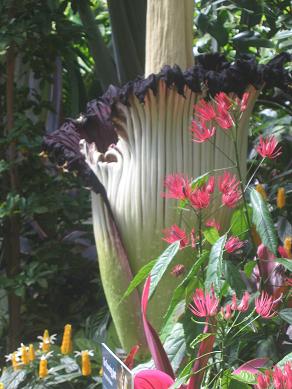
x: 243, y: 306
x: 234, y: 302
x: 233, y: 244
x: 201, y: 133
x: 267, y: 147
x: 149, y: 379
x: 264, y: 305
x: 263, y: 381
x: 173, y: 234
x: 205, y: 110
x: 282, y: 252
x: 288, y: 374
x: 224, y: 120
x: 177, y: 186
x: 200, y: 198
x: 178, y: 270
x: 278, y: 378
x: 213, y: 223
x: 193, y: 238
x: 244, y: 101
x: 210, y: 185
x: 223, y: 102
x: 226, y: 312
x: 228, y: 182
x: 231, y: 198
x: 204, y: 305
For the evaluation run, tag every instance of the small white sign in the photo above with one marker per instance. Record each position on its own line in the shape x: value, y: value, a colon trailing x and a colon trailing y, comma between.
x: 115, y: 374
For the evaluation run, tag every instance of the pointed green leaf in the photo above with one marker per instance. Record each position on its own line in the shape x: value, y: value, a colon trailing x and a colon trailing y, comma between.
x: 142, y: 274
x: 245, y: 377
x: 239, y: 224
x: 211, y: 234
x: 200, y: 339
x: 162, y: 264
x: 286, y: 314
x: 248, y: 268
x: 261, y: 217
x: 287, y: 358
x: 200, y: 181
x: 214, y: 269
x: 175, y: 346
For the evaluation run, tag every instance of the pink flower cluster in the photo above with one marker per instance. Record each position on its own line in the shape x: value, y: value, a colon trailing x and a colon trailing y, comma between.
x: 280, y: 379
x: 207, y: 305
x: 233, y: 244
x: 179, y: 187
x: 229, y: 187
x: 219, y: 111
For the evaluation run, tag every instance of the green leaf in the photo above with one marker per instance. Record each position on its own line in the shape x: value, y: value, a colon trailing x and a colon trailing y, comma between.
x: 200, y: 181
x: 287, y: 263
x: 233, y: 277
x: 261, y: 217
x: 211, y: 234
x: 162, y: 264
x: 179, y: 291
x: 248, y: 268
x: 245, y: 377
x: 214, y: 269
x: 239, y: 224
x: 175, y: 346
x: 200, y: 339
x: 139, y: 277
x: 286, y: 359
x: 238, y: 385
x: 286, y: 314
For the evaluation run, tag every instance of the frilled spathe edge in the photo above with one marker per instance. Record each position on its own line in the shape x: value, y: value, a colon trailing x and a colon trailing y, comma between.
x: 211, y: 74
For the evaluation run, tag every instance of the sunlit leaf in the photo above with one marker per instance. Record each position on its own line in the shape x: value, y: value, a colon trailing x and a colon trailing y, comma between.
x: 262, y: 219
x: 215, y: 267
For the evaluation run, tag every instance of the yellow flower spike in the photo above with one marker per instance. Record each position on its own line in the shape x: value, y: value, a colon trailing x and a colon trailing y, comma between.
x: 66, y: 346
x: 281, y: 198
x: 24, y: 355
x: 43, y: 368
x: 86, y: 364
x: 14, y: 362
x: 261, y: 190
x: 255, y: 236
x: 1, y: 385
x: 31, y: 353
x: 288, y: 245
x: 46, y: 342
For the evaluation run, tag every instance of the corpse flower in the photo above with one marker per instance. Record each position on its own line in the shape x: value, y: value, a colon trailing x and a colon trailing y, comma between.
x: 134, y: 136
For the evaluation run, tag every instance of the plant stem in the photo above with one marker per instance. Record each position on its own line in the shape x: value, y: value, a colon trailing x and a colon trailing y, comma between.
x: 241, y: 183
x: 254, y: 173
x: 200, y: 231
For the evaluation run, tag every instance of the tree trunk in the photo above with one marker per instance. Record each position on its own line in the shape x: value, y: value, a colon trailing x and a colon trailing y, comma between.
x: 12, y: 243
